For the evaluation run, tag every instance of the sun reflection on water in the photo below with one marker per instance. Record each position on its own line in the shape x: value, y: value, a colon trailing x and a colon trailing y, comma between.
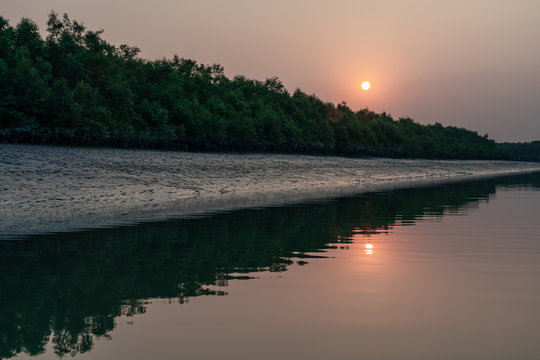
x: 369, y: 248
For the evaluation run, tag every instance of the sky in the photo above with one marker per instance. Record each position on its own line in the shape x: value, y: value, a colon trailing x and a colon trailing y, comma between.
x: 472, y: 64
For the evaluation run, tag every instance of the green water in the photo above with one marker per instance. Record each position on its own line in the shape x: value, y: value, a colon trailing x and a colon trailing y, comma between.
x: 450, y: 272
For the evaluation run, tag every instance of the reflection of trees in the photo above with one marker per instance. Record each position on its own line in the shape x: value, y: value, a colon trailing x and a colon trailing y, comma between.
x: 74, y: 286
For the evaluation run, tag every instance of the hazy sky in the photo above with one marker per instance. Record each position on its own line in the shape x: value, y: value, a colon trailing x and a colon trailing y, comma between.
x: 473, y: 64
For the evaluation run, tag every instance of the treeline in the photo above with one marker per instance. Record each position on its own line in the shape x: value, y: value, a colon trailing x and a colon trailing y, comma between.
x: 521, y: 151
x: 74, y: 88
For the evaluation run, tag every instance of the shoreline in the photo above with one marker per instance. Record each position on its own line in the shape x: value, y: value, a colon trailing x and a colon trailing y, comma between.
x: 46, y: 189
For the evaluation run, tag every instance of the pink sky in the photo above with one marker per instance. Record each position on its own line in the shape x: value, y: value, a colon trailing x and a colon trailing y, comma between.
x: 473, y: 64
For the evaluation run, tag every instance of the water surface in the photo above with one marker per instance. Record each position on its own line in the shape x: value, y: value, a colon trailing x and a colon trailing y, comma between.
x: 448, y: 272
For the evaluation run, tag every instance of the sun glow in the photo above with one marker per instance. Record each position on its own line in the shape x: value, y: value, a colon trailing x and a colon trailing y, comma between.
x: 366, y: 85
x: 369, y: 248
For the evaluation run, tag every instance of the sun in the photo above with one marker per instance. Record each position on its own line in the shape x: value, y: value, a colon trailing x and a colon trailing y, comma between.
x: 366, y: 85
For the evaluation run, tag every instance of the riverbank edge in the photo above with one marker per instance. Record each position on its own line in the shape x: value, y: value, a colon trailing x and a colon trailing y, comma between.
x: 68, y: 217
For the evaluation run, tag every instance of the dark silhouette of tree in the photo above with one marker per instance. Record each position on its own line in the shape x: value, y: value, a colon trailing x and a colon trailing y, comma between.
x: 521, y: 151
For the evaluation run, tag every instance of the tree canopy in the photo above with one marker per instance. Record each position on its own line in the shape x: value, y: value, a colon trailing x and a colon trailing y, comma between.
x: 75, y: 88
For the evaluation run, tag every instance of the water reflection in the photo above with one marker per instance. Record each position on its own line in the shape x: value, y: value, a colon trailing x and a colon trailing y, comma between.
x: 369, y: 248
x: 71, y: 287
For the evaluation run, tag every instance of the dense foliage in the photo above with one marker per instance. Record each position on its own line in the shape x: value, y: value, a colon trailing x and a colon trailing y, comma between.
x: 74, y: 88
x: 521, y: 151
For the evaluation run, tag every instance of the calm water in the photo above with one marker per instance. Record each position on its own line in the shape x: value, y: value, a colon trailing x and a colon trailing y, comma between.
x: 451, y: 272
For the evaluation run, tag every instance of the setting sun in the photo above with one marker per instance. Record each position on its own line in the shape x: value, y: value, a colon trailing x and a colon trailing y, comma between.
x: 366, y: 85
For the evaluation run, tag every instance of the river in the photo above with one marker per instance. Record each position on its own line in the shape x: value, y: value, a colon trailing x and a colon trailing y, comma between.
x: 442, y: 272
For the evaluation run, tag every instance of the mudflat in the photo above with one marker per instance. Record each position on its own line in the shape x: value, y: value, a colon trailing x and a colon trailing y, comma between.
x: 50, y: 189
